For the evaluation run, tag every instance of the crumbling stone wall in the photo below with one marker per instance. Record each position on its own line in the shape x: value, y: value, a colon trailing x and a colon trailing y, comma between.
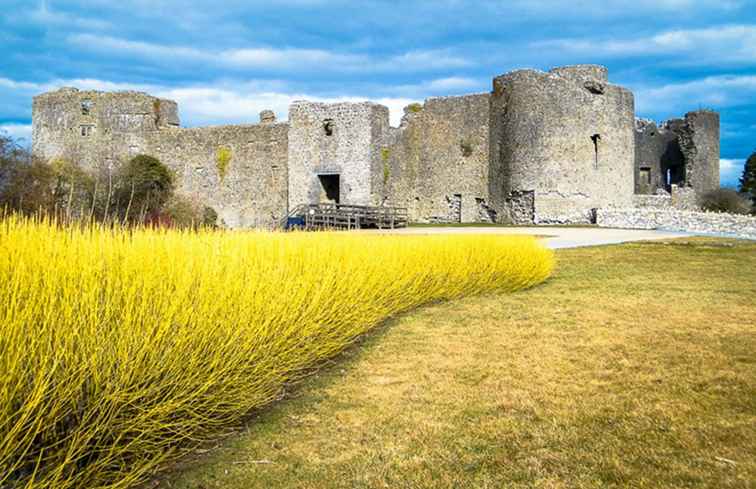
x: 679, y: 220
x: 699, y: 143
x: 681, y: 198
x: 682, y: 152
x: 335, y: 139
x: 565, y: 136
x: 657, y: 153
x: 437, y: 160
x: 253, y: 191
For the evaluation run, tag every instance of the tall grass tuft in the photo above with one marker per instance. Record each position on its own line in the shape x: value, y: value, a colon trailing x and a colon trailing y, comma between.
x: 120, y: 348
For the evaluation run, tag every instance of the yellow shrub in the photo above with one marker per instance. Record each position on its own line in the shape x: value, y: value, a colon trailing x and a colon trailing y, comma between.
x: 118, y: 347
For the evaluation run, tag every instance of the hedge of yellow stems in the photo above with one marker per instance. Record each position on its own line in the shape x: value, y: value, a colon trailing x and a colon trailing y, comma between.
x: 121, y: 348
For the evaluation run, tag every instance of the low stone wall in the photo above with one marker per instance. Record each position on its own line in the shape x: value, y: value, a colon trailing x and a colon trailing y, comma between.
x: 681, y: 198
x: 678, y: 220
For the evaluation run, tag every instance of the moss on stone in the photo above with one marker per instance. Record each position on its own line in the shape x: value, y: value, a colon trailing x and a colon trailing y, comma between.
x: 415, y: 107
x: 467, y: 147
x: 385, y: 155
x: 156, y: 108
x: 222, y: 161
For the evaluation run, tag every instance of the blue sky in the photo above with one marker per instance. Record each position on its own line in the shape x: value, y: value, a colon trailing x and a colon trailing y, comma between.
x: 224, y: 61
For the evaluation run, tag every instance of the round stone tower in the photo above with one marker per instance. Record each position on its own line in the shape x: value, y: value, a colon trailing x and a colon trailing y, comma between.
x: 562, y: 144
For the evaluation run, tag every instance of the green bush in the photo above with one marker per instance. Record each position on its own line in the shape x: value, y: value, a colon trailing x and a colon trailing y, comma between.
x: 139, y: 191
x: 467, y: 147
x: 185, y: 212
x: 144, y: 186
x: 748, y: 180
x: 726, y: 200
x: 73, y: 190
x: 30, y: 186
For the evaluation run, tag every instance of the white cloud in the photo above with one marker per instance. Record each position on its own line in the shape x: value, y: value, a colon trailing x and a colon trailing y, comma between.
x: 139, y: 48
x: 452, y: 83
x: 589, y: 11
x: 730, y: 171
x: 288, y: 58
x: 273, y: 58
x: 728, y: 43
x: 220, y: 103
x: 45, y: 15
x: 710, y: 92
x: 14, y: 85
x: 422, y: 60
x: 17, y: 131
x: 211, y: 105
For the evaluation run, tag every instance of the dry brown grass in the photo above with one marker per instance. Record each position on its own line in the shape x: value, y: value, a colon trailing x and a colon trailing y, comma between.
x: 633, y: 367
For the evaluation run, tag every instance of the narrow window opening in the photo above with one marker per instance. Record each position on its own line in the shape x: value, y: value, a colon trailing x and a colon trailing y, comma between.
x: 645, y: 175
x: 328, y: 127
x: 86, y: 131
x: 86, y: 107
x: 596, y: 138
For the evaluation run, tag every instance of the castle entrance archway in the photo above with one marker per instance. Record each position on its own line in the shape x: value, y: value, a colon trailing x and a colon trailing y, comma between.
x: 330, y: 188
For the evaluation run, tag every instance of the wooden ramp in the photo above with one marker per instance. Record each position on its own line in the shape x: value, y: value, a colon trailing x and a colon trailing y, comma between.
x: 341, y: 216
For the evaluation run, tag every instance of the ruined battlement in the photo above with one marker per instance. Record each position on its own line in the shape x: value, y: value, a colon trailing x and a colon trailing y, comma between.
x: 583, y: 73
x: 683, y: 152
x: 541, y: 147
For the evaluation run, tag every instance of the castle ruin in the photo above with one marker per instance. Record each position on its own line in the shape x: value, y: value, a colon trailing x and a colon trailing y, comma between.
x: 541, y: 147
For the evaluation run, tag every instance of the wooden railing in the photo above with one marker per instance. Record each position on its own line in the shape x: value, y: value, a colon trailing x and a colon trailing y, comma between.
x: 343, y: 216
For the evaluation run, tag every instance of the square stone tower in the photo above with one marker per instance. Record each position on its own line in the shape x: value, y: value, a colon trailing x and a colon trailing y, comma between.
x: 334, y: 152
x: 94, y: 128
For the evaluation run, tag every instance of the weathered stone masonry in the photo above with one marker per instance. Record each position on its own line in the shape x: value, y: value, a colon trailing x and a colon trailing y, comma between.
x: 436, y: 162
x: 98, y: 129
x: 253, y: 192
x: 333, y: 152
x: 683, y: 152
x: 562, y: 144
x: 542, y: 147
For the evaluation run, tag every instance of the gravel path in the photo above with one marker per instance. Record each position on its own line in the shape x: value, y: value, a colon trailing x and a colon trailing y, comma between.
x: 555, y: 237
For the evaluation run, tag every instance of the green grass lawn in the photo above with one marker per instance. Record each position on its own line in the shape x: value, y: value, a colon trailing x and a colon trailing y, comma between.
x: 634, y: 366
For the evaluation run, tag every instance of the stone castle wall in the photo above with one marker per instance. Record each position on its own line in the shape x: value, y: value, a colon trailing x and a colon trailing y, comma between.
x: 542, y: 147
x: 436, y: 163
x: 561, y: 145
x: 253, y: 192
